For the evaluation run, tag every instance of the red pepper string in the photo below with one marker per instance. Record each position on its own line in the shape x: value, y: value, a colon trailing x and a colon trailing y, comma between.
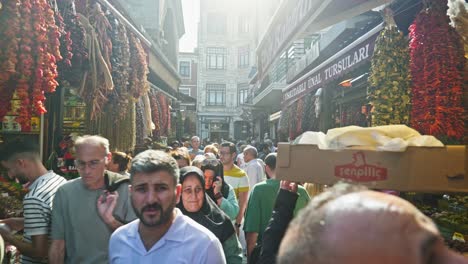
x: 436, y: 65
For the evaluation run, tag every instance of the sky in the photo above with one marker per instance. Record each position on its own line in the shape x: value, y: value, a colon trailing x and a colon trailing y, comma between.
x: 191, y: 9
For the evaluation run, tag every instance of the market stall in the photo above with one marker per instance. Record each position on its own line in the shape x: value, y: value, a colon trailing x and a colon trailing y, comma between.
x: 417, y: 80
x: 90, y: 63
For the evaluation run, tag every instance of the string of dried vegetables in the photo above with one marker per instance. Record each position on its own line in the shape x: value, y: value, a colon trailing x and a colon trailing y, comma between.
x: 124, y: 136
x: 120, y: 67
x: 50, y: 73
x: 389, y: 92
x: 103, y: 28
x: 169, y: 120
x: 9, y: 26
x: 76, y: 32
x: 97, y: 81
x: 121, y: 134
x: 140, y: 123
x: 31, y: 49
x: 66, y: 43
x: 164, y: 108
x: 26, y: 62
x: 148, y: 122
x: 155, y: 114
x: 437, y: 61
x: 459, y: 16
x: 138, y: 76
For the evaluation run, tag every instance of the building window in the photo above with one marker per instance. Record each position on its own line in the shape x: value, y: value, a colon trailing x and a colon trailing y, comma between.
x: 184, y: 69
x: 215, y: 94
x: 244, y: 57
x: 216, y: 23
x: 184, y: 90
x: 216, y: 58
x: 243, y: 93
x: 244, y: 26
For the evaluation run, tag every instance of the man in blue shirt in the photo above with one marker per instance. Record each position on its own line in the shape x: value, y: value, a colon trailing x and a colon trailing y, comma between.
x: 162, y: 234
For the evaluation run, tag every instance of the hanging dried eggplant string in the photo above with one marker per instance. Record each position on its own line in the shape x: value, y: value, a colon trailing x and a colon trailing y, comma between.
x: 120, y: 68
x: 79, y: 60
x: 124, y: 87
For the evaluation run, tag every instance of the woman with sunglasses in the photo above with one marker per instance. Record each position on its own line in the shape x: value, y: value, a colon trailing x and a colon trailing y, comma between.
x: 196, y: 204
x: 219, y: 190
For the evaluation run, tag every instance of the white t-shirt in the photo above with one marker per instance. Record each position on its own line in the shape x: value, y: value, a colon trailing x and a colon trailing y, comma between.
x: 186, y: 241
x: 255, y: 169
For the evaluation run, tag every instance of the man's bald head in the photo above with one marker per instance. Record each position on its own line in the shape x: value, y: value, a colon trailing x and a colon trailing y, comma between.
x: 362, y: 227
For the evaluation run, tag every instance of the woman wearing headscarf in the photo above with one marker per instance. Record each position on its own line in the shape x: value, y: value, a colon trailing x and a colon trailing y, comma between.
x: 217, y: 189
x: 196, y: 204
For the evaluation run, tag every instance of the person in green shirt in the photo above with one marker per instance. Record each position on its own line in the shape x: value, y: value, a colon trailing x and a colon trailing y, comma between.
x: 260, y: 206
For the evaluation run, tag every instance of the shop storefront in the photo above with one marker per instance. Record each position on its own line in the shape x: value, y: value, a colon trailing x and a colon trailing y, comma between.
x: 98, y: 75
x: 333, y: 94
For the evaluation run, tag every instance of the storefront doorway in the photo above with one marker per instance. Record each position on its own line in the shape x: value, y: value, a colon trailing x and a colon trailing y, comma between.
x: 219, y: 132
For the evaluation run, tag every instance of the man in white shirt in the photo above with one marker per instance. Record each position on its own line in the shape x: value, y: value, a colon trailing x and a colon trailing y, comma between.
x: 161, y: 234
x: 254, y: 167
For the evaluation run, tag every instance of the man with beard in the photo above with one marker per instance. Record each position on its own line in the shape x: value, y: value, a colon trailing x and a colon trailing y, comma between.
x: 88, y: 209
x: 22, y: 161
x: 161, y: 234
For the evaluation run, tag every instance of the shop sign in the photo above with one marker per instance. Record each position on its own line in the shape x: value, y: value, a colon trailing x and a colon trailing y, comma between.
x: 349, y: 61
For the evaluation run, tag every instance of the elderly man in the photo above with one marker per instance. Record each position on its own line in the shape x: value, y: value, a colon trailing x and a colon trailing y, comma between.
x: 254, y: 167
x: 353, y: 225
x: 162, y: 234
x: 23, y: 163
x: 88, y: 209
x: 195, y: 150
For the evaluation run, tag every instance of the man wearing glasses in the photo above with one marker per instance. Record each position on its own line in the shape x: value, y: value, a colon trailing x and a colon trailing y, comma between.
x: 238, y: 179
x: 88, y: 209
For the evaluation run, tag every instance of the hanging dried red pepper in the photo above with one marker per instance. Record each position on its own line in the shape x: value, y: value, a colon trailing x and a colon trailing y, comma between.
x: 9, y: 27
x: 436, y: 67
x: 25, y: 65
x: 155, y: 114
x: 139, y: 69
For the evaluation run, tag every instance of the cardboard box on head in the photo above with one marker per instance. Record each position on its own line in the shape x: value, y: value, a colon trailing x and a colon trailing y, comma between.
x: 421, y: 169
